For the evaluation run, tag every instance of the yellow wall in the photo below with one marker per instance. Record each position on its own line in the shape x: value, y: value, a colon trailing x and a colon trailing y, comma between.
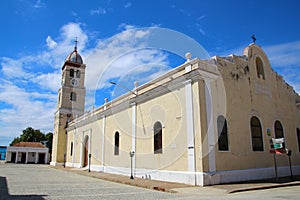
x: 238, y: 94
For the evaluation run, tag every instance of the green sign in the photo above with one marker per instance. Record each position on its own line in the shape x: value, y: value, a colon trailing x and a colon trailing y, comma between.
x: 277, y: 145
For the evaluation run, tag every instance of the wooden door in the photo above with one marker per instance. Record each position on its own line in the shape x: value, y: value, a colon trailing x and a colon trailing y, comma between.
x: 86, y: 153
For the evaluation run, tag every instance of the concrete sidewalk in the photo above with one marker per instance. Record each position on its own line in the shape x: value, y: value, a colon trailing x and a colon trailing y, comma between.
x: 189, y: 189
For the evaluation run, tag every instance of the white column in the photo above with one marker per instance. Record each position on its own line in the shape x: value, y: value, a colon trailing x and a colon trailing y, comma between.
x: 36, y: 157
x: 26, y: 161
x: 210, y: 127
x: 190, y: 126
x: 17, y: 155
x: 190, y: 123
x: 46, y: 157
x: 90, y: 147
x: 103, y: 142
x: 81, y: 148
x: 134, y: 121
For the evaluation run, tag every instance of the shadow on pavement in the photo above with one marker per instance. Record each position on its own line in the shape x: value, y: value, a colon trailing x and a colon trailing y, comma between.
x: 259, y: 184
x: 4, y: 194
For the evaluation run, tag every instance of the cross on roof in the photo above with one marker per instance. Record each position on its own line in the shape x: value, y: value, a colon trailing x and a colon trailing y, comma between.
x: 253, y: 38
x: 76, y: 42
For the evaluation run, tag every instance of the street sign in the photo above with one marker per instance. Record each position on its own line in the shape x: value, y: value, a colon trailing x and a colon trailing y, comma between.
x: 279, y: 151
x: 277, y: 146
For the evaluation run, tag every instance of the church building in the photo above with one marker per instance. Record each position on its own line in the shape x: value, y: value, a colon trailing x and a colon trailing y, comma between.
x: 204, y: 122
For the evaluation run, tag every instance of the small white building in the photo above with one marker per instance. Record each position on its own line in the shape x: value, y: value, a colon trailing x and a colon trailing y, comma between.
x: 28, y: 152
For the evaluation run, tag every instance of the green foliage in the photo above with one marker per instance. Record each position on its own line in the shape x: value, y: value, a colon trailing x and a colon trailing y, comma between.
x: 32, y: 135
x: 15, y: 141
x: 49, y: 138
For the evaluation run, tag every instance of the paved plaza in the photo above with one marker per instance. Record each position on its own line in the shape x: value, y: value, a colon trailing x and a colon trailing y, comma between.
x: 21, y: 181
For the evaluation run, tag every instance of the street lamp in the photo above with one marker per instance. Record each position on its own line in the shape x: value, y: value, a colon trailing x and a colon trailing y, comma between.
x: 131, y: 154
x: 122, y: 86
x: 90, y: 155
x: 64, y: 160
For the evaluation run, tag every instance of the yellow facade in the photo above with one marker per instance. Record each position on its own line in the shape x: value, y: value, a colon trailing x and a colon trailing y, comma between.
x: 187, y: 103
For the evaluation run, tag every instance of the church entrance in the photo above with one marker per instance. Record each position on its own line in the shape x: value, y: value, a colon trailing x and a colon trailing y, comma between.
x: 86, y: 152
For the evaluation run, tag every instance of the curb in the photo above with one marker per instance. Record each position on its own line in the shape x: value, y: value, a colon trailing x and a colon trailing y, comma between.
x: 137, y: 182
x: 263, y: 187
x: 171, y: 187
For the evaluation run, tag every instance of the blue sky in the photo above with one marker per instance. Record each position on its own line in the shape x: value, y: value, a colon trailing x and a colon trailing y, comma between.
x: 37, y: 35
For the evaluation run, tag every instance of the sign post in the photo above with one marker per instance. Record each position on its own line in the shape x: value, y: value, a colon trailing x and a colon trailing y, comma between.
x: 290, y: 163
x: 277, y: 147
x: 275, y: 165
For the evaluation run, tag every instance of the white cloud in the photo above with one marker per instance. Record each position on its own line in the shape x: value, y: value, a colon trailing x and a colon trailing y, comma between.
x: 283, y: 55
x: 13, y: 68
x: 39, y: 4
x: 49, y: 81
x: 29, y: 84
x: 25, y: 109
x: 127, y: 5
x: 74, y: 13
x: 120, y: 54
x: 50, y: 42
x: 285, y: 59
x: 99, y: 11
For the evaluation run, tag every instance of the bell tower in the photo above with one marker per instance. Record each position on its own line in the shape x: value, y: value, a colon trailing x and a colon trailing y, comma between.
x: 70, y: 103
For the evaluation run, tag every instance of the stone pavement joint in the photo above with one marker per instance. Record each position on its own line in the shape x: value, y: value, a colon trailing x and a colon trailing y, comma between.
x: 188, y: 189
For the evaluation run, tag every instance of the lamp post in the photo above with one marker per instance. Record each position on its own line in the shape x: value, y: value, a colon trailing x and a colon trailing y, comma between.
x: 122, y: 86
x: 131, y: 153
x: 64, y: 160
x: 290, y: 163
x: 90, y: 155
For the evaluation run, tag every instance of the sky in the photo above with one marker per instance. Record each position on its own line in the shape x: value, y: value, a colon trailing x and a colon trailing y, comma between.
x: 125, y: 41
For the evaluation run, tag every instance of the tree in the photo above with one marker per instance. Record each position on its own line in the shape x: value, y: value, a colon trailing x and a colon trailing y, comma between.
x: 32, y: 135
x: 49, y: 138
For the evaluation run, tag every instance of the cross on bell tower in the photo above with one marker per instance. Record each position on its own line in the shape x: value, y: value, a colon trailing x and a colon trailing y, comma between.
x: 76, y: 42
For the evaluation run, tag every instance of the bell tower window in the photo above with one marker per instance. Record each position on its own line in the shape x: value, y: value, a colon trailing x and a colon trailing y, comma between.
x: 77, y: 73
x: 71, y: 72
x: 73, y: 96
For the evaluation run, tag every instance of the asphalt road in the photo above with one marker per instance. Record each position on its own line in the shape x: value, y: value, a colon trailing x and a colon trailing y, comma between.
x: 20, y: 181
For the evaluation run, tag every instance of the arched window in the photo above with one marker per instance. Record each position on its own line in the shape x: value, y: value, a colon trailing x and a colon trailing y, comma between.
x: 256, y: 135
x: 157, y: 137
x: 71, y: 72
x: 278, y: 130
x: 298, y: 138
x: 117, y: 143
x: 77, y: 73
x: 222, y: 134
x: 260, y: 68
x: 73, y: 96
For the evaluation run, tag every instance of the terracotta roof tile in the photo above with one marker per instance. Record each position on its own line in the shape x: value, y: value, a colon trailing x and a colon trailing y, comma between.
x: 30, y: 144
